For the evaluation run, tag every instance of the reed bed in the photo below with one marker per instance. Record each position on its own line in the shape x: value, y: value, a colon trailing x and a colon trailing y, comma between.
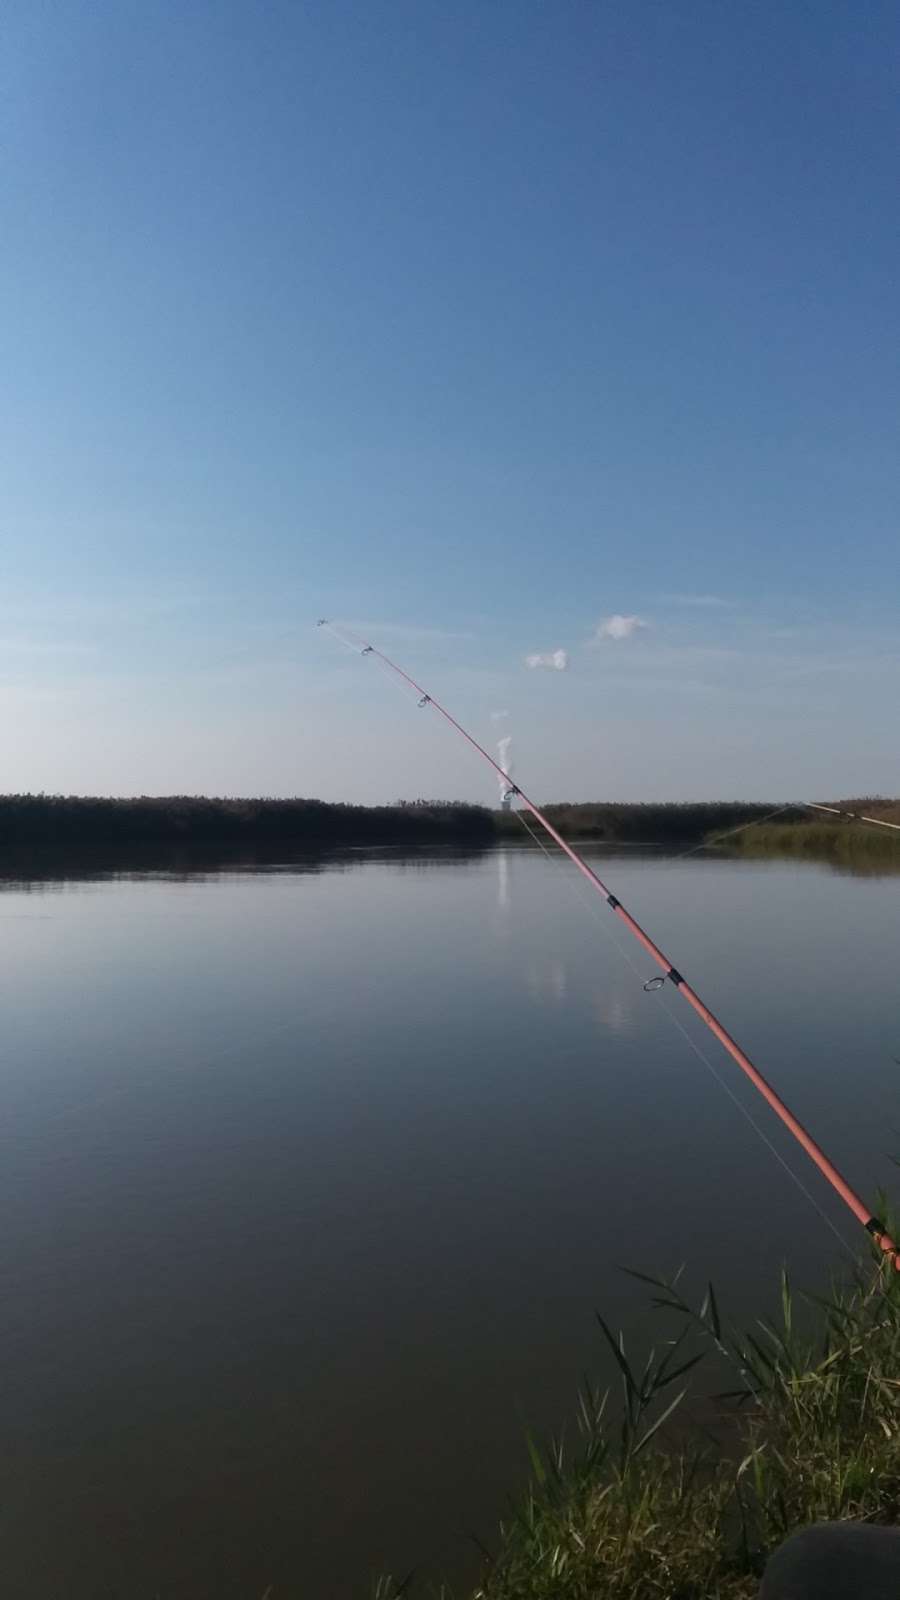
x: 638, y: 1506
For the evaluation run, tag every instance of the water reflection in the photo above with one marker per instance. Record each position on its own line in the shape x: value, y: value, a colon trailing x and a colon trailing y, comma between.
x: 547, y: 981
x: 853, y: 861
x: 185, y: 865
x: 612, y: 1012
x: 305, y: 1166
x: 46, y: 871
x: 502, y: 881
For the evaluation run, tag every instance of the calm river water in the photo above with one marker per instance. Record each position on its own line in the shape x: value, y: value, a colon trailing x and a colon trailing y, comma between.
x: 312, y: 1179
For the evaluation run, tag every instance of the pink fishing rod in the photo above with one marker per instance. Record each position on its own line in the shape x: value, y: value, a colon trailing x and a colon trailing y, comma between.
x: 816, y: 1154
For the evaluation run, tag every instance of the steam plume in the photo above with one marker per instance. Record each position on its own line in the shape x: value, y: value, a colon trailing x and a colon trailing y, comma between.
x: 505, y: 763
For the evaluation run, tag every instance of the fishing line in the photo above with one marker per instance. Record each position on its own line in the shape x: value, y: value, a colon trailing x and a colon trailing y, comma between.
x: 873, y: 1225
x: 594, y: 910
x: 760, y: 1132
x: 795, y: 805
x: 408, y: 693
x: 755, y: 822
x: 588, y: 905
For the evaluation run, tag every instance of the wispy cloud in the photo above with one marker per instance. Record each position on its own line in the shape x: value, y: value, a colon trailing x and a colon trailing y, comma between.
x: 553, y: 660
x: 123, y: 606
x: 704, y: 602
x: 408, y: 633
x: 28, y: 647
x: 619, y: 627
x: 498, y: 716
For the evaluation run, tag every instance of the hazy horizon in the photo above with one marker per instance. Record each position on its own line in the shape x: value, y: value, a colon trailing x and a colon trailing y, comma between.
x: 400, y: 800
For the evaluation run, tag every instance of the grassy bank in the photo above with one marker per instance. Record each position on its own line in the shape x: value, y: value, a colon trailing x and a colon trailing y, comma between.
x: 636, y: 1510
x: 823, y: 840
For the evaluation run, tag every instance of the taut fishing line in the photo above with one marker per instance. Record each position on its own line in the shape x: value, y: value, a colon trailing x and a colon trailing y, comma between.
x: 724, y: 1085
x: 873, y: 1225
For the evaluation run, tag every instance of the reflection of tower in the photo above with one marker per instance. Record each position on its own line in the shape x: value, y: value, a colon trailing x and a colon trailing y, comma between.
x: 502, y: 880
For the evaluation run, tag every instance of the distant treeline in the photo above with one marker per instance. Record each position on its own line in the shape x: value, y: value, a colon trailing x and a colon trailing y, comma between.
x: 31, y: 822
x: 60, y: 823
x: 72, y: 825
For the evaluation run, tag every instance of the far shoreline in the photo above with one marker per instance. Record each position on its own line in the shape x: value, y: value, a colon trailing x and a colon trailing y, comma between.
x: 40, y: 831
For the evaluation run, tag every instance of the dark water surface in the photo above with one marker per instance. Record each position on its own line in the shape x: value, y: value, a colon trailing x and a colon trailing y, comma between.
x: 313, y: 1177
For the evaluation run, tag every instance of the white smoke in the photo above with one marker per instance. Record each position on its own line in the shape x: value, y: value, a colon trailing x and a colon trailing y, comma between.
x: 498, y: 716
x: 619, y: 627
x: 503, y: 747
x: 554, y: 660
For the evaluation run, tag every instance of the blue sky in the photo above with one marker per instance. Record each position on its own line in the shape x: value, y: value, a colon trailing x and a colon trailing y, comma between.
x: 474, y: 324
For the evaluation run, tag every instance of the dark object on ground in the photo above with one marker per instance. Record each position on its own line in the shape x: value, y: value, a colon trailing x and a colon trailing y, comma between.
x: 835, y: 1561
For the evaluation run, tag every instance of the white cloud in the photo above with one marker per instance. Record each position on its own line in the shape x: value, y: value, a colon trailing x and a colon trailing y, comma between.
x: 498, y: 716
x: 619, y: 627
x: 554, y: 660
